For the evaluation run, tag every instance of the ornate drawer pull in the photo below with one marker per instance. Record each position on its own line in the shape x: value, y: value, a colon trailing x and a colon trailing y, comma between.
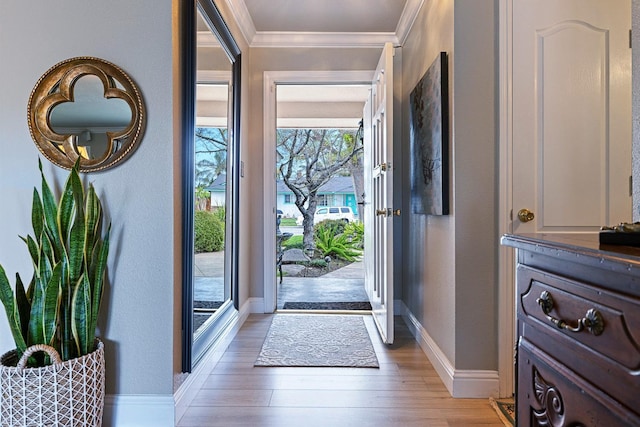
x: 592, y: 320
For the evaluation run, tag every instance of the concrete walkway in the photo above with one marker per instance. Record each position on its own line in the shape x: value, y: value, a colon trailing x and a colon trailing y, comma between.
x: 343, y: 285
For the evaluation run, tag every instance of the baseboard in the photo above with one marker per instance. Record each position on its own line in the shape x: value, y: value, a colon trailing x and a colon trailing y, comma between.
x: 139, y: 411
x: 192, y: 384
x: 460, y: 383
x: 256, y: 305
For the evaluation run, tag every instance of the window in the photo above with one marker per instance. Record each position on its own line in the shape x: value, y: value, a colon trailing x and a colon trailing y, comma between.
x: 287, y: 199
x: 323, y: 200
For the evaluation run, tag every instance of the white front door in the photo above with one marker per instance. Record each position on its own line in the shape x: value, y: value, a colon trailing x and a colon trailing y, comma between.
x: 571, y: 115
x: 379, y: 208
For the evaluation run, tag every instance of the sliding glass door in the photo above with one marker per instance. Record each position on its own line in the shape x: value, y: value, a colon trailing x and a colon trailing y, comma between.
x: 210, y: 163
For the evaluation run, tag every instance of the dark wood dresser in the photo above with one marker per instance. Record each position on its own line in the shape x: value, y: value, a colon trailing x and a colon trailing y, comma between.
x: 578, y: 325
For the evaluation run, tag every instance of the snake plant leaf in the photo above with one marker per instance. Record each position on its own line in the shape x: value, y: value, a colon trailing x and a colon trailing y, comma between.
x: 76, y: 248
x: 36, y: 334
x: 93, y: 213
x: 66, y: 208
x: 30, y: 288
x: 51, y: 305
x: 23, y: 306
x: 34, y: 251
x: 71, y: 222
x: 6, y: 296
x: 97, y: 277
x: 45, y: 269
x: 50, y: 213
x: 80, y: 312
x: 37, y: 214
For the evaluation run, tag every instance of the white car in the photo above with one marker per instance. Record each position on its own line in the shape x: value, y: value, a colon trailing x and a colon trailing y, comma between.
x: 343, y: 213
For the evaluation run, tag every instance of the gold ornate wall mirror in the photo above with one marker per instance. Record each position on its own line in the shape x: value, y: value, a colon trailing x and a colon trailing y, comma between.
x: 89, y: 109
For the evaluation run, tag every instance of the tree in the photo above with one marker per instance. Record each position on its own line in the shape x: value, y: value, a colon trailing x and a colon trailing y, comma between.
x: 211, y: 154
x: 308, y: 158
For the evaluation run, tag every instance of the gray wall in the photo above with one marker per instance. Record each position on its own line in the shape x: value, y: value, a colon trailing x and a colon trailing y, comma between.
x: 450, y: 283
x: 428, y: 241
x: 138, y: 195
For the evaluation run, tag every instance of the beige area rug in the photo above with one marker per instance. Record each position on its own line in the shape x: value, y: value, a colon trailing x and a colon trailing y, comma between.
x: 505, y: 408
x: 317, y: 340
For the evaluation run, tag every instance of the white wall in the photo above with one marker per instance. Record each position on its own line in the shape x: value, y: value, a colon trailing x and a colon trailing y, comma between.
x: 137, y: 36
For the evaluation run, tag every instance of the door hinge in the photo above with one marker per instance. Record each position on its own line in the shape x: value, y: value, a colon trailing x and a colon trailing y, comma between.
x: 630, y: 39
x: 631, y: 186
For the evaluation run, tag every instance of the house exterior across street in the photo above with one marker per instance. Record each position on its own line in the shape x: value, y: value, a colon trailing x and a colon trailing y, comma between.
x: 337, y: 192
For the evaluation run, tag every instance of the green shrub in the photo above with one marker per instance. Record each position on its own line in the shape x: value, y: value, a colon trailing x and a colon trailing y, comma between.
x: 336, y: 225
x: 337, y: 245
x: 355, y: 234
x: 318, y: 263
x: 220, y: 212
x: 209, y: 232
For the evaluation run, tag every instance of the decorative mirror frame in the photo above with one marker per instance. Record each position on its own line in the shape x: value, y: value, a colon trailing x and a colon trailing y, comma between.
x: 56, y: 86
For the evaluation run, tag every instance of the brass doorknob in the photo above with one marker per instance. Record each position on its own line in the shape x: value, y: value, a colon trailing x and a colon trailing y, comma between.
x: 525, y: 215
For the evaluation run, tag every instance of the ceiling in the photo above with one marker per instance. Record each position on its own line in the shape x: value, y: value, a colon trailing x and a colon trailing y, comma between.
x: 323, y: 23
x: 329, y: 23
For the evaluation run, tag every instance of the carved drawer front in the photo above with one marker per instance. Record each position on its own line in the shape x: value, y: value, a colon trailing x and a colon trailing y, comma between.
x: 602, y: 321
x: 550, y: 394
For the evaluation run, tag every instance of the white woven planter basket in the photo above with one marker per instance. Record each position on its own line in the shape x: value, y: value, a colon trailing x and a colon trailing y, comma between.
x: 67, y: 393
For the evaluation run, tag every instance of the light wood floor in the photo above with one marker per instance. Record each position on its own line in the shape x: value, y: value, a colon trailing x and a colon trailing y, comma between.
x: 405, y: 391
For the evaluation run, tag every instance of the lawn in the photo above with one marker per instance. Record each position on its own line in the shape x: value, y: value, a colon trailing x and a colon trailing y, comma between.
x: 288, y: 222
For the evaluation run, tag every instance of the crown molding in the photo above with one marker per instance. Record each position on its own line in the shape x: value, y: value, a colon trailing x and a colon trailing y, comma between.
x: 292, y: 39
x: 243, y: 19
x: 408, y: 17
x: 314, y: 39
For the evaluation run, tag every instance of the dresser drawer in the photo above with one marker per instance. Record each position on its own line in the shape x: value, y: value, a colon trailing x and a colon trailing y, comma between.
x: 599, y: 321
x: 551, y: 394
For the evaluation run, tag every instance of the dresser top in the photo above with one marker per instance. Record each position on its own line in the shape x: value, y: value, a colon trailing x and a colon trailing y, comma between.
x: 572, y: 245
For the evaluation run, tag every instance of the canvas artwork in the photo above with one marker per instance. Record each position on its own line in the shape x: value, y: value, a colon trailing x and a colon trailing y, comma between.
x: 429, y: 134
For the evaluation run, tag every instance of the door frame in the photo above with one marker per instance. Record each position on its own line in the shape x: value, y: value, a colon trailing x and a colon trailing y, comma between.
x: 270, y: 80
x: 506, y: 256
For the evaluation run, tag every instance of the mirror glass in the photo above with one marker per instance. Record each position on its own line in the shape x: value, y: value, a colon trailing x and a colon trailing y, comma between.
x: 90, y: 117
x: 86, y: 109
x: 211, y: 184
x: 212, y: 281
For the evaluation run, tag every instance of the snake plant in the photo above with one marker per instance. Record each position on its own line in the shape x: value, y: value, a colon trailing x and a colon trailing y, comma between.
x: 61, y: 303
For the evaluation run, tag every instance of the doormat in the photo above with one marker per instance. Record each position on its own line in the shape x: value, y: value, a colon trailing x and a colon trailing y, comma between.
x: 351, y: 305
x: 317, y: 340
x: 506, y: 410
x: 206, y: 305
x: 202, y: 311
